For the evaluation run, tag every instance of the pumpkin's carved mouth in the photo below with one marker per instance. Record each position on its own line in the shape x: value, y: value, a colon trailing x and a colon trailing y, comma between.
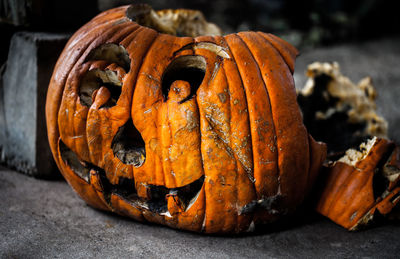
x: 157, y: 195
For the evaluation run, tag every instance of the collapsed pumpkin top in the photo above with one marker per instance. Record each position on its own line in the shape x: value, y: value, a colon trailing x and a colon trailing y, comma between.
x: 179, y: 22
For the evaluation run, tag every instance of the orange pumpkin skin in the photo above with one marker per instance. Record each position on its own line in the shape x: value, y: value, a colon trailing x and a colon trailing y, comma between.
x: 351, y: 196
x: 240, y: 132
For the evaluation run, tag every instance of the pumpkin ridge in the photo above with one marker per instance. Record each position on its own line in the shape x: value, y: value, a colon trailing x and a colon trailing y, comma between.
x: 357, y: 170
x: 245, y: 99
x: 216, y: 159
x: 235, y: 191
x: 128, y: 39
x: 203, y: 167
x: 123, y: 34
x: 240, y: 219
x: 202, y: 227
x: 339, y: 192
x: 139, y: 65
x: 261, y: 36
x: 137, y: 72
x: 251, y: 173
x: 228, y: 149
x: 288, y: 55
x: 127, y: 45
x: 289, y: 127
x: 166, y: 103
x: 200, y: 137
x: 360, y: 186
x: 170, y: 136
x: 338, y: 200
x: 333, y: 180
x: 280, y: 51
x: 277, y: 169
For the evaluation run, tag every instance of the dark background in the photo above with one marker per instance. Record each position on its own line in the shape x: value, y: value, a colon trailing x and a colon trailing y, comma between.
x: 303, y: 23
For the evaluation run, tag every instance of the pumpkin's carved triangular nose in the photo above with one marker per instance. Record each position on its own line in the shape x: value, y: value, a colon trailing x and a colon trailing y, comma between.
x: 128, y: 145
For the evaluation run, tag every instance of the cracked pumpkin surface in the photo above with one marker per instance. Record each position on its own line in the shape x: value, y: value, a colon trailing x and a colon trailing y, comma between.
x: 198, y: 133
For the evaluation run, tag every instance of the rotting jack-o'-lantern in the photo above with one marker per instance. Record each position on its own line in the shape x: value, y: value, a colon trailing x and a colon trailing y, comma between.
x: 202, y: 134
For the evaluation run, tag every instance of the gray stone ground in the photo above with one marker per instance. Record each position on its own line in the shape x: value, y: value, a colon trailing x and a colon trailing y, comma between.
x: 46, y: 219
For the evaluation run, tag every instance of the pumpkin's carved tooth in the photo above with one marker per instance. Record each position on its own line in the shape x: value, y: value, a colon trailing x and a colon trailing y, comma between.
x: 71, y: 159
x: 252, y: 227
x: 128, y: 145
x: 157, y: 196
x: 125, y: 188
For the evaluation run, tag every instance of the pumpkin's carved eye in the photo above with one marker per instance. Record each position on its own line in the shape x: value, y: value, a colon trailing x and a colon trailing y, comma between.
x: 186, y: 68
x: 115, y: 56
x: 95, y: 79
x: 128, y: 145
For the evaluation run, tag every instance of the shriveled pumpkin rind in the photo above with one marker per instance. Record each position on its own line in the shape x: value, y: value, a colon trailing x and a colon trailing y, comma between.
x: 350, y: 194
x: 240, y: 132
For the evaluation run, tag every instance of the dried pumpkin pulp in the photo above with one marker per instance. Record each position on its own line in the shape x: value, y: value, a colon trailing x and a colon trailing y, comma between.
x: 199, y: 133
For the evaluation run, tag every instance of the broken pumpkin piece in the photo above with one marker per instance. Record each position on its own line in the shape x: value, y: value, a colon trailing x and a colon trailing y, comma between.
x: 361, y: 184
x: 337, y: 111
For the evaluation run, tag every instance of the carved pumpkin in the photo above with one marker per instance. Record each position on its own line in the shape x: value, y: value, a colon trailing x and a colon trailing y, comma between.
x: 202, y: 134
x: 362, y: 184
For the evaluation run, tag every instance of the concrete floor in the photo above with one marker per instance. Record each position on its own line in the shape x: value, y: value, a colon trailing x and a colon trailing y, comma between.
x: 46, y: 219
